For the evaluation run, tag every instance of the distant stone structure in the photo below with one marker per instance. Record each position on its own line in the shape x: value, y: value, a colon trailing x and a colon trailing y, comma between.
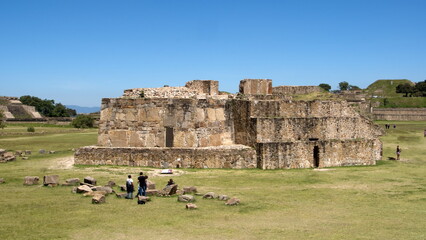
x: 13, y: 109
x: 197, y: 127
x: 400, y: 114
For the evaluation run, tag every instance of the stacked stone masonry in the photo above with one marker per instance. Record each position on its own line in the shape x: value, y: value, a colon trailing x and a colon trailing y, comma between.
x: 295, y: 90
x: 400, y: 114
x: 193, y: 127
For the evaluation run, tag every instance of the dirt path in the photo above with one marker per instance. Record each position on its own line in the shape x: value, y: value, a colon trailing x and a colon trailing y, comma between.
x: 62, y: 163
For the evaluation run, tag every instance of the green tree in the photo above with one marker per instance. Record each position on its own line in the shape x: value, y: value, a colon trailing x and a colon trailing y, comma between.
x: 420, y: 88
x: 343, y: 86
x: 353, y: 87
x: 325, y: 86
x: 59, y: 111
x: 46, y: 107
x: 405, y: 88
x: 82, y: 121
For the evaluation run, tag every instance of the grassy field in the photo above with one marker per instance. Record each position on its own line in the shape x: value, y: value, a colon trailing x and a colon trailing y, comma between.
x: 386, y: 201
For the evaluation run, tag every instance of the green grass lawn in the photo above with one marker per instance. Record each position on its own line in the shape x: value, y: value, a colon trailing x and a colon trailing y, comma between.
x: 386, y: 201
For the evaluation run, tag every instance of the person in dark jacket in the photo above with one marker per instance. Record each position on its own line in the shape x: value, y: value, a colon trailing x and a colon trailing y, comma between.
x: 142, y: 184
x: 130, y: 188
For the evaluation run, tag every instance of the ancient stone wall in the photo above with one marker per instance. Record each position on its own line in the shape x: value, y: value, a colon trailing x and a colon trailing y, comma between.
x: 301, y: 109
x: 294, y: 90
x: 244, y: 125
x: 143, y: 122
x: 400, y: 114
x: 235, y: 156
x: 208, y: 87
x: 256, y: 86
x: 300, y: 154
x: 295, y: 129
x: 164, y: 92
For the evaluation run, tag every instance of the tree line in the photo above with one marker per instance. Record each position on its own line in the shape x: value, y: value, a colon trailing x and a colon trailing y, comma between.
x: 343, y: 86
x: 48, y: 108
x: 416, y: 90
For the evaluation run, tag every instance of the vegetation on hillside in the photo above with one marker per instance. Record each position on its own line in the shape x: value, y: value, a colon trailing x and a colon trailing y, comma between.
x: 47, y: 108
x: 417, y: 90
x: 385, y: 92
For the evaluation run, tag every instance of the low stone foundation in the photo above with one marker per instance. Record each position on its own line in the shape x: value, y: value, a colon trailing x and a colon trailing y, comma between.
x: 234, y: 156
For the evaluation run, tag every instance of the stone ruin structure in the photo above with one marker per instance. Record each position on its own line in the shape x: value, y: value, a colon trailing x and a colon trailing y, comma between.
x: 13, y: 109
x: 197, y: 126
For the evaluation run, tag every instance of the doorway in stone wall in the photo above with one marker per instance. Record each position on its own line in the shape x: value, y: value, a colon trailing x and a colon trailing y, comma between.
x: 169, y: 137
x: 316, y: 157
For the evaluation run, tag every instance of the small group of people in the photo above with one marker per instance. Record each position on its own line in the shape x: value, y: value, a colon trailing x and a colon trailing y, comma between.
x: 142, y: 185
x: 388, y: 126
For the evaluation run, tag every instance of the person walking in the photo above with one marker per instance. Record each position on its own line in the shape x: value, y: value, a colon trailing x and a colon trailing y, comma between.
x: 130, y: 188
x: 142, y: 184
x: 398, y: 152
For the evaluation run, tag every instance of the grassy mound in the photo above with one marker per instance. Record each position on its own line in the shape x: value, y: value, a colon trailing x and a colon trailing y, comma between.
x: 384, y: 92
x: 386, y: 88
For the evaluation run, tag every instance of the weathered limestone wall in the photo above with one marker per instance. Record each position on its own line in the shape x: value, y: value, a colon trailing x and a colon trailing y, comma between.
x: 244, y: 125
x: 294, y: 129
x: 301, y: 109
x: 292, y: 90
x: 142, y: 122
x: 235, y: 156
x: 164, y: 92
x: 256, y: 86
x: 300, y: 154
x: 401, y: 114
x: 208, y: 87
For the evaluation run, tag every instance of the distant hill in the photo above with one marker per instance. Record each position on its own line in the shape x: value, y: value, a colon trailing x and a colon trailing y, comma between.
x: 80, y: 109
x: 386, y: 87
x: 384, y: 92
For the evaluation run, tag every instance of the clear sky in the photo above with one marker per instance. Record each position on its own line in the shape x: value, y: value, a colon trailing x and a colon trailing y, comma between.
x: 79, y: 51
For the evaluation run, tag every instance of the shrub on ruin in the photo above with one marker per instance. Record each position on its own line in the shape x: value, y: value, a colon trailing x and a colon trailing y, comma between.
x: 30, y: 129
x: 82, y: 121
x: 325, y: 86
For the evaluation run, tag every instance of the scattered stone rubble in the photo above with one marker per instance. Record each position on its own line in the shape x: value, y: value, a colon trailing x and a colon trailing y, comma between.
x: 51, y: 180
x: 6, y: 156
x: 99, y: 193
x: 31, y: 180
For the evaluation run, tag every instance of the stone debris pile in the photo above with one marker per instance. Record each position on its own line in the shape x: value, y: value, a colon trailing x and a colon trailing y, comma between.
x: 98, y: 193
x: 6, y: 156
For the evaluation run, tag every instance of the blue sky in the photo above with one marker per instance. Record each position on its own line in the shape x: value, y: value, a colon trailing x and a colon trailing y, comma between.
x: 79, y: 51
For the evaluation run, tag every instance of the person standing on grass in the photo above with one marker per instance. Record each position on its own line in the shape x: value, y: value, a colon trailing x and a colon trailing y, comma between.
x: 142, y: 184
x: 398, y: 152
x: 424, y: 133
x: 130, y: 188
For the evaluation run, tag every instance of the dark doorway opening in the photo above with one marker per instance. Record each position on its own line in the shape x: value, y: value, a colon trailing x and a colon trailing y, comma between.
x: 169, y: 137
x: 316, y: 157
